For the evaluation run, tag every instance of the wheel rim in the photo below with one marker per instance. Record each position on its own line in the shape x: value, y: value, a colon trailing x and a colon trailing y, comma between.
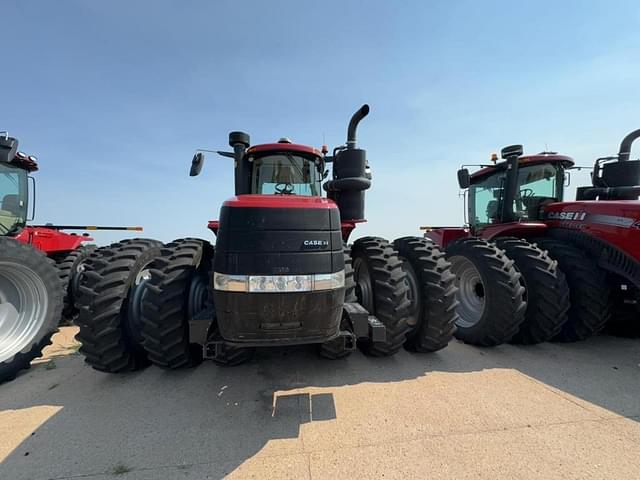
x: 24, y: 304
x: 364, y: 286
x: 415, y: 300
x: 471, y: 291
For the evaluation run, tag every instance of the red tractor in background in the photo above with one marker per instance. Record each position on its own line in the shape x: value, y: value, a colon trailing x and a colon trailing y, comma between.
x: 38, y: 265
x: 68, y: 250
x: 532, y: 267
x: 281, y: 273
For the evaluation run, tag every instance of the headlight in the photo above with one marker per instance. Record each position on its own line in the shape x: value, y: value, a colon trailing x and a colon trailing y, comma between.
x: 278, y: 283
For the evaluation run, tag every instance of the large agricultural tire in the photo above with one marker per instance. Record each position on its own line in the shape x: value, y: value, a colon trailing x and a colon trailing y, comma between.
x: 30, y: 305
x: 381, y: 288
x: 334, y: 349
x: 491, y: 298
x: 432, y: 291
x: 546, y: 288
x: 69, y: 267
x: 111, y: 287
x: 589, y: 291
x: 179, y: 288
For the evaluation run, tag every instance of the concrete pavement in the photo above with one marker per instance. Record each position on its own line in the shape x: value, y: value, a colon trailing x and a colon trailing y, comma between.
x: 545, y: 411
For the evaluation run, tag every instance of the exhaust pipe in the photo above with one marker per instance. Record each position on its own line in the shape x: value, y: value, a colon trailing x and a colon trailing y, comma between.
x: 625, y: 146
x: 353, y: 125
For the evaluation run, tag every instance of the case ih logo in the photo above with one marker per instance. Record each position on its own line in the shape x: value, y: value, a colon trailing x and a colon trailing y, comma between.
x: 317, y: 244
x: 576, y: 216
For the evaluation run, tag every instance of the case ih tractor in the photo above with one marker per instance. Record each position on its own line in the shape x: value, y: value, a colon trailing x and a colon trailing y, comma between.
x: 531, y: 267
x: 37, y: 266
x: 30, y: 290
x: 280, y: 273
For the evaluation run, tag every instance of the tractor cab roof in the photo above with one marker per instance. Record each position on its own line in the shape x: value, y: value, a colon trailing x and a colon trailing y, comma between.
x: 543, y: 157
x: 25, y: 162
x: 10, y: 155
x: 286, y: 147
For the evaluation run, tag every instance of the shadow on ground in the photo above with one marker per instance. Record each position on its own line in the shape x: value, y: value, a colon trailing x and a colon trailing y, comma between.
x: 212, y: 419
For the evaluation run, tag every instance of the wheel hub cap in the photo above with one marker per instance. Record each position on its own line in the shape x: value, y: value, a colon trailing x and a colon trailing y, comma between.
x: 23, y: 307
x: 471, y: 291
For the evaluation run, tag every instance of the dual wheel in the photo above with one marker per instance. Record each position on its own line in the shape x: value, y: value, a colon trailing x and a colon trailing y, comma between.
x: 409, y: 287
x: 136, y: 297
x: 515, y: 291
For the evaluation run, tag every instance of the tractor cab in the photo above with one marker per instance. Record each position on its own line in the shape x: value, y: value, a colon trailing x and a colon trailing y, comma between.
x: 14, y: 196
x: 285, y: 168
x: 515, y: 190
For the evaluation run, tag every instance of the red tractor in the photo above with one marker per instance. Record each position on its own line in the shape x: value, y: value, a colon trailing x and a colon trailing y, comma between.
x: 281, y: 273
x: 31, y: 287
x: 532, y: 267
x: 68, y: 250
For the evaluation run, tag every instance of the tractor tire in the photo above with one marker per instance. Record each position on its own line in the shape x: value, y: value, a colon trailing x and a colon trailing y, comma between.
x: 382, y: 289
x: 546, y: 289
x: 334, y: 349
x: 30, y: 305
x: 68, y: 270
x: 491, y: 298
x: 589, y: 291
x: 179, y: 288
x: 111, y: 289
x: 432, y: 291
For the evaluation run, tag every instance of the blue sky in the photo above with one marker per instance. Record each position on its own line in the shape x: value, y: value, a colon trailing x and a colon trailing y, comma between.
x: 114, y: 96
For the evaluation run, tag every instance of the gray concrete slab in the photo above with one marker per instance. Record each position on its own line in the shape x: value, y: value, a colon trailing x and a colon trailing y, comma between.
x: 546, y: 411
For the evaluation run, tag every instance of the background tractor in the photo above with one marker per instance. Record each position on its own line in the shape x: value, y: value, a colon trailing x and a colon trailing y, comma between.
x: 38, y: 284
x: 532, y: 267
x: 30, y: 290
x: 67, y: 250
x: 281, y: 273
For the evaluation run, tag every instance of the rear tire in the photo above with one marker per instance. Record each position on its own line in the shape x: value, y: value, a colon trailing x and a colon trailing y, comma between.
x: 381, y: 288
x: 491, y: 298
x: 114, y: 280
x: 179, y: 289
x: 334, y: 349
x: 68, y: 271
x: 432, y: 292
x: 30, y: 305
x: 589, y: 291
x: 546, y: 289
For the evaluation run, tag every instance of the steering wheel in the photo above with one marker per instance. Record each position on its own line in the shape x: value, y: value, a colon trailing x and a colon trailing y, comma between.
x: 527, y: 193
x: 284, y: 188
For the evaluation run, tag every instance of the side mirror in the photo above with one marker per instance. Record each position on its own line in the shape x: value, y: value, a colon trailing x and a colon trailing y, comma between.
x: 464, y: 179
x: 567, y: 179
x: 196, y: 164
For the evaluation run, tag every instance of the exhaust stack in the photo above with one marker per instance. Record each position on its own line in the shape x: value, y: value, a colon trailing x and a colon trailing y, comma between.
x: 625, y: 146
x: 353, y: 125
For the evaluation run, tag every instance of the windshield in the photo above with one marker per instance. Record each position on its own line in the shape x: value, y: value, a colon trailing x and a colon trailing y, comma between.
x: 285, y: 174
x: 13, y: 198
x: 537, y: 185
